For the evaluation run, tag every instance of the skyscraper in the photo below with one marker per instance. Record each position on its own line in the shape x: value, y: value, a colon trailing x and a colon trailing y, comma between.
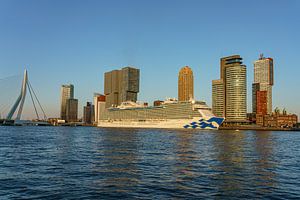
x: 236, y: 90
x: 130, y: 83
x: 112, y: 87
x: 67, y: 92
x: 263, y: 81
x: 72, y: 110
x: 229, y: 93
x: 121, y: 85
x: 185, y: 84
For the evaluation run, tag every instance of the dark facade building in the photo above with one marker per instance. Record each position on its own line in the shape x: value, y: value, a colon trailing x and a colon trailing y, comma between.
x: 157, y: 102
x: 67, y: 92
x: 121, y: 85
x: 88, y: 113
x: 72, y: 110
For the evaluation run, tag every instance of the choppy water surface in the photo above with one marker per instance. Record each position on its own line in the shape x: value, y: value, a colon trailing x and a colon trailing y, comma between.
x: 93, y: 163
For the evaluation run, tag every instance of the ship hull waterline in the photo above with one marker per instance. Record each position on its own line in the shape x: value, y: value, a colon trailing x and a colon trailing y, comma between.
x: 195, y: 123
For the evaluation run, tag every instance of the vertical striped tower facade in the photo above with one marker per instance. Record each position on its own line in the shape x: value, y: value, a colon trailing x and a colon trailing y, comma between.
x: 229, y: 93
x: 67, y: 92
x: 185, y: 84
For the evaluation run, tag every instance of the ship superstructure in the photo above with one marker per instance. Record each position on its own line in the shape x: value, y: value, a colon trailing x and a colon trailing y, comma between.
x: 170, y: 114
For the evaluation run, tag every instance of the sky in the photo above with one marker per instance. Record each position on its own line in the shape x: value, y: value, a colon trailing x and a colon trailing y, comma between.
x: 76, y: 41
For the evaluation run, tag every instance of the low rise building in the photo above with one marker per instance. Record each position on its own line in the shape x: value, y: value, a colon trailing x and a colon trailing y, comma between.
x: 157, y: 103
x: 277, y: 119
x: 56, y: 121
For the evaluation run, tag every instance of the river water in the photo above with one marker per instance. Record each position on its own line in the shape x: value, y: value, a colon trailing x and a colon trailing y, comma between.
x: 95, y: 163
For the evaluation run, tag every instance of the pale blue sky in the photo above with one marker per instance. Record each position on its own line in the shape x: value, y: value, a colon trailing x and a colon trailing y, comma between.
x: 62, y: 42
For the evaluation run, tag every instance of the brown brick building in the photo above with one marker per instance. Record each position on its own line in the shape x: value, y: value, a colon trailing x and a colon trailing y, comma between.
x: 277, y: 120
x: 157, y: 102
x: 261, y: 102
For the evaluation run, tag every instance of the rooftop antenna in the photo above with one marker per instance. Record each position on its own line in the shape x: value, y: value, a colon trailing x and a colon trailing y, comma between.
x: 261, y: 56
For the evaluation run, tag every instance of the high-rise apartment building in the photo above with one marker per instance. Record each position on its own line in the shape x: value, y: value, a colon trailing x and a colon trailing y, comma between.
x: 229, y: 93
x: 236, y: 90
x: 263, y: 81
x: 130, y: 84
x: 185, y: 84
x: 72, y: 110
x: 67, y: 92
x: 121, y: 85
x: 112, y: 87
x: 218, y: 98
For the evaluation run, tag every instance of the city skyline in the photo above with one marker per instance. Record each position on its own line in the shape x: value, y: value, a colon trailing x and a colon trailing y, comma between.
x: 60, y: 47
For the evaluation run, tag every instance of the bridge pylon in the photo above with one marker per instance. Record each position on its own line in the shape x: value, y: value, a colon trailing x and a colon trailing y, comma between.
x: 20, y: 100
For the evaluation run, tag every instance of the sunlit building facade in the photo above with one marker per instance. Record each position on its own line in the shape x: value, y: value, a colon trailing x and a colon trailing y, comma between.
x: 121, y: 85
x: 185, y: 84
x: 218, y: 100
x: 236, y: 91
x: 263, y: 81
x: 229, y: 93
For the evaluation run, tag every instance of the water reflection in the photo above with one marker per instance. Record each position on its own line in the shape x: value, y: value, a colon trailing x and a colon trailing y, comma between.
x: 116, y: 161
x: 264, y: 165
x: 185, y: 157
x: 93, y: 163
x: 229, y: 146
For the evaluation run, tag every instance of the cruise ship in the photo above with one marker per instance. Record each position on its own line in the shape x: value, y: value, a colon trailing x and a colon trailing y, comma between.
x: 170, y: 114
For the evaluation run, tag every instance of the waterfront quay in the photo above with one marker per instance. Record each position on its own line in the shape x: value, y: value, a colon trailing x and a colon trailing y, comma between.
x: 258, y: 128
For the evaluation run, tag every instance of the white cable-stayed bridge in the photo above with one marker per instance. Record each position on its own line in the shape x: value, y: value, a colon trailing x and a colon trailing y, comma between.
x: 11, y: 111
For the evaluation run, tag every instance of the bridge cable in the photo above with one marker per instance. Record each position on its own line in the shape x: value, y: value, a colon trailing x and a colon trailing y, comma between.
x: 9, y: 77
x: 45, y: 117
x: 37, y: 114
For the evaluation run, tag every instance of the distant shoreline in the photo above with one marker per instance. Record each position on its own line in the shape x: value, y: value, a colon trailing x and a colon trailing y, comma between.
x: 258, y: 128
x: 244, y: 128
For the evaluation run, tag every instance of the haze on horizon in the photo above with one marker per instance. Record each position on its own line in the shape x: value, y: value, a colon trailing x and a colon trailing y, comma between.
x: 62, y: 42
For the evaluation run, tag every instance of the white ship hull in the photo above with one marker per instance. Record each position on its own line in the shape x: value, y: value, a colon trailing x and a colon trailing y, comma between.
x: 195, y: 123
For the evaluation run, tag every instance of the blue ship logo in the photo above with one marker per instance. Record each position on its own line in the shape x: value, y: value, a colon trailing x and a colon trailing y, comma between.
x: 212, y: 123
